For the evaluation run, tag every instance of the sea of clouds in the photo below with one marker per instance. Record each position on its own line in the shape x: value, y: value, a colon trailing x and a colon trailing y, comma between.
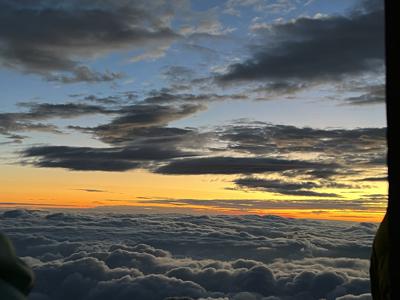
x: 87, y: 255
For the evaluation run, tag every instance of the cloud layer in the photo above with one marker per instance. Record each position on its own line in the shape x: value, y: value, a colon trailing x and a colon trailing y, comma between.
x: 122, y: 256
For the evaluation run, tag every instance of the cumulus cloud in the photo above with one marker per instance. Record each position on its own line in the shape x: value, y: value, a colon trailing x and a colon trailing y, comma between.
x: 125, y: 256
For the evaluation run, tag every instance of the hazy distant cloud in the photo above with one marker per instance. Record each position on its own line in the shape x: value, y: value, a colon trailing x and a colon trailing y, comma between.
x: 237, y: 165
x: 52, y: 40
x: 316, y: 50
x: 269, y: 257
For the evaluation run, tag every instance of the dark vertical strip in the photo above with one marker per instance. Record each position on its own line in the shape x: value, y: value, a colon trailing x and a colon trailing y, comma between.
x: 392, y: 13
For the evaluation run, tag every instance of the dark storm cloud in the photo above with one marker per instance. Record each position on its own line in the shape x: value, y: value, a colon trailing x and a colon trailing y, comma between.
x: 97, y: 159
x: 47, y: 38
x: 236, y: 165
x: 316, y: 50
x: 282, y: 187
x: 128, y: 256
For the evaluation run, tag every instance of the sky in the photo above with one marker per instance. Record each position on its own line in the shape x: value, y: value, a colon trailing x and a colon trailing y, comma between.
x: 202, y: 107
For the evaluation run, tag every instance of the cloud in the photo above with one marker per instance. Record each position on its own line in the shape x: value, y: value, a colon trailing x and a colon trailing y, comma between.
x: 61, y: 37
x: 27, y: 121
x: 126, y: 118
x: 232, y: 7
x: 97, y: 159
x: 93, y: 190
x: 119, y: 98
x: 382, y: 178
x: 240, y: 205
x: 138, y: 136
x: 148, y: 115
x: 146, y: 125
x: 166, y: 96
x: 83, y: 73
x: 315, y: 50
x: 269, y: 257
x: 351, y: 146
x: 236, y: 165
x: 374, y: 94
x: 282, y: 187
x: 37, y: 111
x: 358, y: 297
